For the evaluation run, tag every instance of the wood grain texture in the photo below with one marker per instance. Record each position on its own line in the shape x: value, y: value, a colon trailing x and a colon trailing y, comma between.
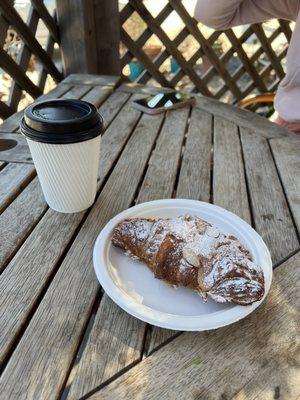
x: 19, y: 153
x: 218, y: 364
x: 142, y: 89
x: 194, y: 178
x: 90, y: 79
x: 115, y: 136
x: 112, y: 106
x: 241, y: 117
x: 13, y: 178
x: 76, y: 92
x: 282, y: 376
x: 24, y: 278
x: 106, y: 361
x: 287, y: 156
x: 97, y: 95
x: 160, y: 177
x: 158, y: 337
x: 19, y: 218
x: 113, y: 344
x: 270, y: 211
x: 27, y: 209
x: 229, y: 185
x: 61, y: 317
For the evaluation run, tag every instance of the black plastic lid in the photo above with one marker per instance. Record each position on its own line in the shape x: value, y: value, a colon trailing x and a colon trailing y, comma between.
x: 61, y: 121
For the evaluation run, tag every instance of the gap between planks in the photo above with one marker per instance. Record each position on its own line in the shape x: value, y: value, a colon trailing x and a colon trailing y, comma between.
x: 160, y: 176
x: 23, y: 217
x: 268, y: 337
x: 105, y: 164
x: 81, y: 278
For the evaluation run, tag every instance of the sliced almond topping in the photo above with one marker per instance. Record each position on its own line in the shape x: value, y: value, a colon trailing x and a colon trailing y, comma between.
x: 191, y: 257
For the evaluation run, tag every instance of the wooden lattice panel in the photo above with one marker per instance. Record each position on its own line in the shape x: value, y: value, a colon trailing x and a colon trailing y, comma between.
x: 228, y: 74
x: 14, y: 31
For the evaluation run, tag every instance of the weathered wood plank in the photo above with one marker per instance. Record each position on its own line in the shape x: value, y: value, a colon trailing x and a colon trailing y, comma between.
x: 105, y: 361
x: 112, y: 144
x: 282, y: 379
x: 17, y: 148
x: 287, y: 156
x: 112, y: 106
x: 97, y: 95
x: 59, y: 321
x: 218, y: 364
x: 142, y: 89
x: 270, y: 211
x: 24, y: 278
x: 90, y: 79
x: 19, y: 219
x: 229, y: 185
x: 114, y: 343
x: 76, y: 92
x: 241, y: 117
x: 160, y: 177
x: 116, y: 135
x: 158, y: 337
x: 11, y: 124
x: 13, y: 178
x: 194, y: 178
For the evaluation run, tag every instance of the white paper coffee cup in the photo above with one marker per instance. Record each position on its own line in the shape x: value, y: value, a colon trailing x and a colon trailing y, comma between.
x: 64, y: 140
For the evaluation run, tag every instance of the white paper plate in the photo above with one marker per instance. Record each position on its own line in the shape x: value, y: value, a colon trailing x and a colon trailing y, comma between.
x: 132, y: 285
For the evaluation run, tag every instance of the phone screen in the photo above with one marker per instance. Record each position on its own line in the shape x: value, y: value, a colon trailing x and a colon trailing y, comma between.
x: 163, y: 100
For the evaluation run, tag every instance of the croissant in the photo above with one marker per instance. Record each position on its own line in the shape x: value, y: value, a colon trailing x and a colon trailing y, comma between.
x: 188, y: 251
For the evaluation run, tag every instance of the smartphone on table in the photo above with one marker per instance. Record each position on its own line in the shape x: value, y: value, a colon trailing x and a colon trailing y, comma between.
x: 162, y: 102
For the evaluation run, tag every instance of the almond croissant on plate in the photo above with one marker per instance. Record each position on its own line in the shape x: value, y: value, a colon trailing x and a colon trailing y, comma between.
x: 187, y: 251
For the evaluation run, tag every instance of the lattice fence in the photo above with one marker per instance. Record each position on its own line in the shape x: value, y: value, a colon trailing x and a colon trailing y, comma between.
x: 26, y: 63
x: 226, y: 65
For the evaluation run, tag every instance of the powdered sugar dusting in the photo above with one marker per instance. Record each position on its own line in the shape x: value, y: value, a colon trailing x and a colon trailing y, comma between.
x: 198, y: 254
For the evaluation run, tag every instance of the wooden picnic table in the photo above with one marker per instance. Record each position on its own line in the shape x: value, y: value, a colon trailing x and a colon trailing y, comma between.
x: 61, y: 336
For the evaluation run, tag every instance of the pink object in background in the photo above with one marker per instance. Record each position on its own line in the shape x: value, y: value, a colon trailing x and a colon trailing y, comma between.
x: 224, y: 14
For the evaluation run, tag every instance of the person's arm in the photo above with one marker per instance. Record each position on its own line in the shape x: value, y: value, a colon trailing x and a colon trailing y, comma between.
x: 224, y: 14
